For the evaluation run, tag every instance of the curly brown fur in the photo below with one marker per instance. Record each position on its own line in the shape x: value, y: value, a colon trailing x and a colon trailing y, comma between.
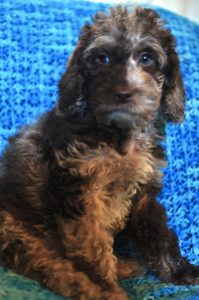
x: 90, y: 168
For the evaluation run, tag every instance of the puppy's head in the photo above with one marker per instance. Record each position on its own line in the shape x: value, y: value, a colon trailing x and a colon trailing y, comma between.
x: 124, y: 71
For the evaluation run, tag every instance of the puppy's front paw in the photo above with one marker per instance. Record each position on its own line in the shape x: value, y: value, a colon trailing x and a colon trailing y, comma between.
x: 116, y: 294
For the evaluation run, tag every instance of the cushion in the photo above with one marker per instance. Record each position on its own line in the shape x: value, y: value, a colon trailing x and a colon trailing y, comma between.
x: 37, y: 38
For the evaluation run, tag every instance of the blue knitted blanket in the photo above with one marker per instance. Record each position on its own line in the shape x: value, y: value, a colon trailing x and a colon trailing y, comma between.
x: 36, y: 38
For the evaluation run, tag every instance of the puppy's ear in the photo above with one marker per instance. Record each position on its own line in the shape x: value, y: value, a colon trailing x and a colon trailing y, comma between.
x: 173, y: 97
x: 71, y: 85
x: 173, y: 92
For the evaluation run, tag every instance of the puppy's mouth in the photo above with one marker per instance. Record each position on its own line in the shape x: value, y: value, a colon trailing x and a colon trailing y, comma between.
x: 120, y: 119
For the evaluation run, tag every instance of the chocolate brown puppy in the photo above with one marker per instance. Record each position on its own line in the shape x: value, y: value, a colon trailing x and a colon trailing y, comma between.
x: 90, y: 168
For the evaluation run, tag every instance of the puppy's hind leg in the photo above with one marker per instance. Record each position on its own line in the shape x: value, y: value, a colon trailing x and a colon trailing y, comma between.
x: 29, y: 255
x: 129, y: 269
x: 158, y: 244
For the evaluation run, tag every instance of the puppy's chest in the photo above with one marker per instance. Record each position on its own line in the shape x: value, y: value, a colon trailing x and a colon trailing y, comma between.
x: 114, y: 181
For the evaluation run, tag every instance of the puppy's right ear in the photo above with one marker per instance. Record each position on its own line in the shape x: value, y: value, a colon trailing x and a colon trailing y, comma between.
x: 173, y: 96
x: 71, y: 85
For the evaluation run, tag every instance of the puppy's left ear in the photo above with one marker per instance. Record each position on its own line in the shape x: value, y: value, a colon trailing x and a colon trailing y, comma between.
x: 71, y: 85
x: 173, y: 96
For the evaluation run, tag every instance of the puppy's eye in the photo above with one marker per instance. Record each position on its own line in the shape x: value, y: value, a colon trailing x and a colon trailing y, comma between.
x: 102, y: 59
x: 145, y: 59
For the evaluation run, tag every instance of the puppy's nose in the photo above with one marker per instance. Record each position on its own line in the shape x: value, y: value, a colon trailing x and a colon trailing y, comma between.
x: 123, y: 95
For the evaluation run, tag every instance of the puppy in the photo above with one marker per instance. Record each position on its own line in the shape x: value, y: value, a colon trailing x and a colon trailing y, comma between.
x: 90, y: 168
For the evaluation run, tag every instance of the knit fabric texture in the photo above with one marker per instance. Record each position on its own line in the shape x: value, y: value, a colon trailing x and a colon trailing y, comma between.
x: 37, y: 38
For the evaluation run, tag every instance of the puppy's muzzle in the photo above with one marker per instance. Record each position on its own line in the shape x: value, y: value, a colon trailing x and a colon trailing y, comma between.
x: 118, y: 119
x: 123, y: 95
